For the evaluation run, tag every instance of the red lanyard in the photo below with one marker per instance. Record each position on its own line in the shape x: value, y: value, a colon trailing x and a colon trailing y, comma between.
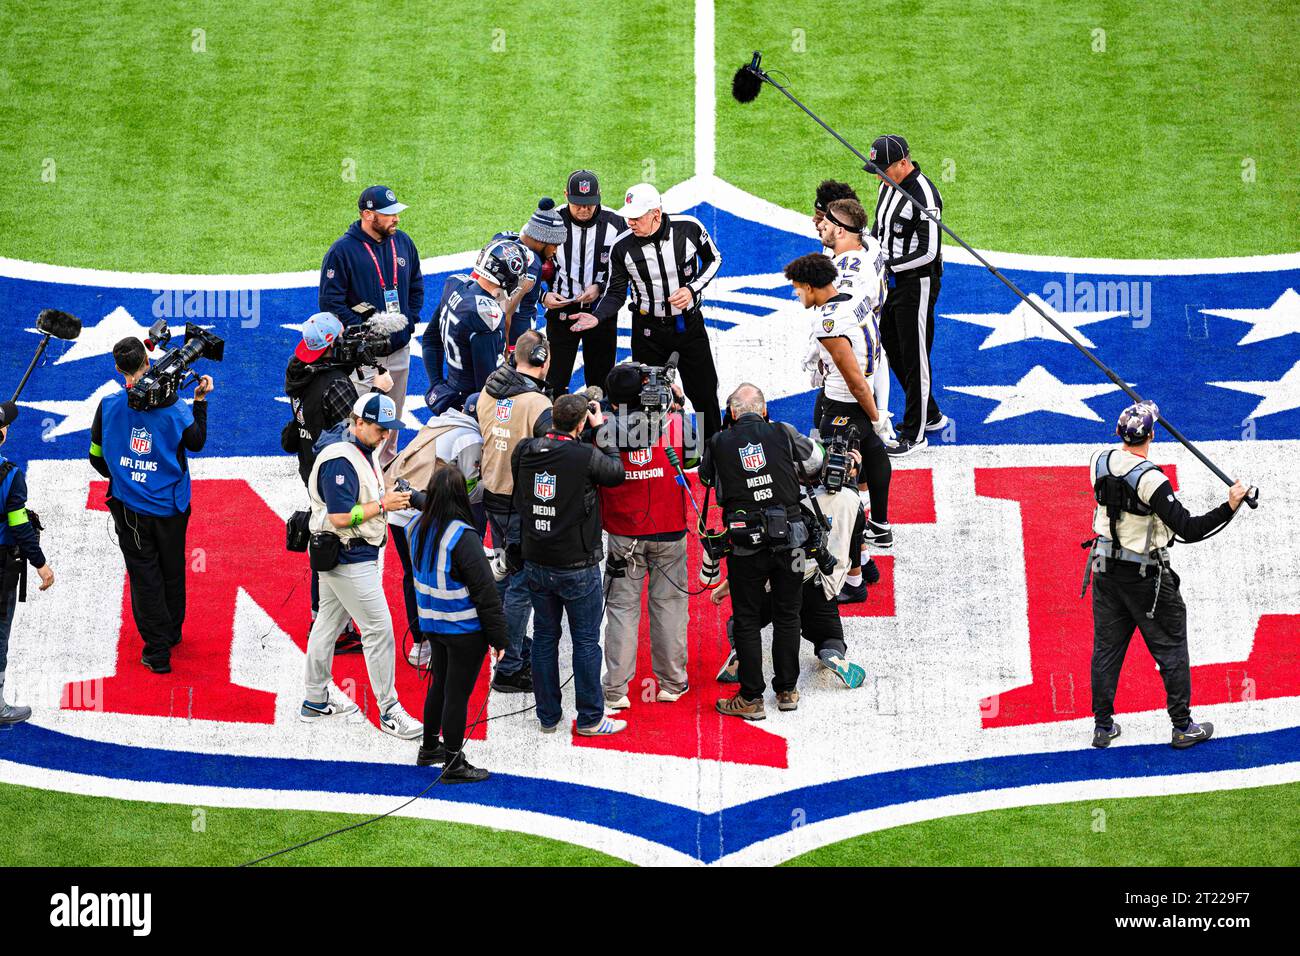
x: 381, y: 271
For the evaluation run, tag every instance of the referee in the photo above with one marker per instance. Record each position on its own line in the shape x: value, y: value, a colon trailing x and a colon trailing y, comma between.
x: 581, y: 273
x: 666, y: 262
x: 911, y: 244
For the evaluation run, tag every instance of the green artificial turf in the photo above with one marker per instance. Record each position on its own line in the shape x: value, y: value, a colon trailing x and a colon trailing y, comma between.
x: 235, y: 159
x: 1038, y: 143
x: 48, y: 828
x: 1253, y: 827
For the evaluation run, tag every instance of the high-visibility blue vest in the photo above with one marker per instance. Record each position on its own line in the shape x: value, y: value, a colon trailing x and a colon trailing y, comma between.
x: 444, y: 603
x: 142, y: 450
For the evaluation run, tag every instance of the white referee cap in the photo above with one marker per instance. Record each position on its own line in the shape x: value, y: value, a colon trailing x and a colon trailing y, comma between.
x: 640, y: 199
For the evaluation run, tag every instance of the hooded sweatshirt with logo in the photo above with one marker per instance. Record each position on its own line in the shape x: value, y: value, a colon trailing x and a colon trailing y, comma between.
x: 512, y: 406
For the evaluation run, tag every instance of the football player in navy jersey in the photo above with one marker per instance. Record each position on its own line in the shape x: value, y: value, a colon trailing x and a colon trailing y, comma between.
x: 467, y: 336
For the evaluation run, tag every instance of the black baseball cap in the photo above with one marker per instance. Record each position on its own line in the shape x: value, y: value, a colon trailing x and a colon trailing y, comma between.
x: 887, y: 150
x: 8, y: 412
x: 583, y: 188
x: 623, y: 383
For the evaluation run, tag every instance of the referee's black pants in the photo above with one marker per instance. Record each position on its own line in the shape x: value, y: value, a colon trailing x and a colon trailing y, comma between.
x: 154, y: 551
x: 598, y: 348
x: 654, y: 340
x: 1120, y: 602
x: 748, y: 575
x: 907, y: 333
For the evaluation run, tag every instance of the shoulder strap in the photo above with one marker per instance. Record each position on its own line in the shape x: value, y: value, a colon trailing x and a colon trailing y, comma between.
x: 1138, y: 470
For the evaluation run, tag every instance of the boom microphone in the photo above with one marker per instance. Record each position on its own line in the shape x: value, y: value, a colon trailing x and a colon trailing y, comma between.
x: 51, y: 323
x: 747, y: 82
x: 61, y: 325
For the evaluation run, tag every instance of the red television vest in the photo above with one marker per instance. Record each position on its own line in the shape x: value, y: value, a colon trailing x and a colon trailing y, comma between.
x: 649, y: 501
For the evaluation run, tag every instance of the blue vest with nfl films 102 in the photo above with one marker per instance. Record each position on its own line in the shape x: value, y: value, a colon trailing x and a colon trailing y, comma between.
x: 142, y: 451
x: 444, y: 602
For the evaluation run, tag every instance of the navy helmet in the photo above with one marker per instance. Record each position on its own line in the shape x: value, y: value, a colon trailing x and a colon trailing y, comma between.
x: 502, y: 261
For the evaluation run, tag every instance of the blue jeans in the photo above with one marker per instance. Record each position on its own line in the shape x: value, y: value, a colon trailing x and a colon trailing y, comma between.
x: 577, y: 593
x: 514, y: 597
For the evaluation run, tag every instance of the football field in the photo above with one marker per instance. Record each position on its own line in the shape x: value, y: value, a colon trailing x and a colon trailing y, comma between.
x: 1133, y: 166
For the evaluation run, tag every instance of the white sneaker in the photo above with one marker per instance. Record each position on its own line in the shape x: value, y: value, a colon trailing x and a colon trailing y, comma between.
x: 668, y: 696
x: 399, y: 723
x: 420, y: 653
x: 602, y: 729
x: 614, y: 706
x: 310, y: 712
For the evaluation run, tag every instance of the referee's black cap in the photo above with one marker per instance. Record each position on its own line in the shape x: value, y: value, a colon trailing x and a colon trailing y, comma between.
x: 583, y: 189
x: 887, y: 150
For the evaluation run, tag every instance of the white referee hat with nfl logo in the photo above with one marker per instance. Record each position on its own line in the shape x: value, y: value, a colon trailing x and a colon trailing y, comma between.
x: 640, y: 199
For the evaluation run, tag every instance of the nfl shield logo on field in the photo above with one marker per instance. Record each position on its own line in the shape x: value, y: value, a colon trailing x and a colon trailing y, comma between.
x: 641, y: 456
x: 504, y: 406
x: 752, y: 458
x: 544, y: 486
x: 141, y: 441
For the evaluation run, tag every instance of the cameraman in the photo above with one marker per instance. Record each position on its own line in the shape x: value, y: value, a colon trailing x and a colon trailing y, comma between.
x: 514, y: 405
x: 645, y: 518
x: 756, y: 466
x: 555, y: 480
x: 142, y: 454
x: 321, y: 393
x: 819, y: 613
x: 348, y: 506
x: 19, y: 542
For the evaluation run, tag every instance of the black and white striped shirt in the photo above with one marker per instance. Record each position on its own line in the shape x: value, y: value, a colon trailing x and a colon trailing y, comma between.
x: 679, y: 254
x: 583, y: 258
x: 910, y: 239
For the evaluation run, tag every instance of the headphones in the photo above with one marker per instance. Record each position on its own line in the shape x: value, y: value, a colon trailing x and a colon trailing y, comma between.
x: 538, y: 356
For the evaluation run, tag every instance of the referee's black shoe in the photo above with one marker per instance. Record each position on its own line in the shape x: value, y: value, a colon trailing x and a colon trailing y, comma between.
x: 905, y: 447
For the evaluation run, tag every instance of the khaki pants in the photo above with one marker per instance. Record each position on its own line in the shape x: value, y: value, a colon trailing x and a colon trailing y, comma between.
x: 661, y: 564
x: 353, y: 591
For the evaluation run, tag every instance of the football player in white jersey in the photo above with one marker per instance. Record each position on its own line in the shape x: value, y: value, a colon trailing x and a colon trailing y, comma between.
x: 860, y: 262
x: 848, y: 351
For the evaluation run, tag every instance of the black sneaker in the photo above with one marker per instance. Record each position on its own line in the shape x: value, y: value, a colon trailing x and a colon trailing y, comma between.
x: 176, y: 640
x: 1192, y: 735
x: 938, y: 425
x: 164, y: 668
x: 427, y: 757
x: 852, y: 593
x: 1102, y: 736
x: 349, y: 641
x: 905, y: 447
x: 871, y: 573
x: 516, y: 683
x: 878, y: 536
x: 460, y: 770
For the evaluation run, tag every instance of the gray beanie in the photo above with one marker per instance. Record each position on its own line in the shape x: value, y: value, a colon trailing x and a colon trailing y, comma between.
x: 545, y: 225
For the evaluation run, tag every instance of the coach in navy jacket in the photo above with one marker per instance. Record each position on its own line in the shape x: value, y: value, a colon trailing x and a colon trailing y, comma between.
x: 376, y: 262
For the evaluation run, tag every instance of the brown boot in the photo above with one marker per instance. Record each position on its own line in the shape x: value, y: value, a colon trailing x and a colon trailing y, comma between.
x: 738, y: 706
x: 787, y: 700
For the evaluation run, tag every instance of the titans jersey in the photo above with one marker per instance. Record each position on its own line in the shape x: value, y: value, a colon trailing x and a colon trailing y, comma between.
x: 845, y: 316
x: 468, y: 332
x: 862, y: 273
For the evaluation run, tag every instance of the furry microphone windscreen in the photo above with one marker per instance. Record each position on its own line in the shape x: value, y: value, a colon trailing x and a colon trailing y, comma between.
x: 745, y: 85
x: 61, y: 325
x: 387, y: 322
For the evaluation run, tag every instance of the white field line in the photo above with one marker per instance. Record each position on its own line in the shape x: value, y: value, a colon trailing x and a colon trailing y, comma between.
x: 705, y: 90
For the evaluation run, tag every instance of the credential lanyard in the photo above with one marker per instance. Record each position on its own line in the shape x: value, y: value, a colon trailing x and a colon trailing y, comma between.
x: 375, y: 260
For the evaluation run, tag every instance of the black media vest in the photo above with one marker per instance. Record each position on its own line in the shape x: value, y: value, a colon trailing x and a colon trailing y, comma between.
x: 754, y: 465
x: 557, y: 504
